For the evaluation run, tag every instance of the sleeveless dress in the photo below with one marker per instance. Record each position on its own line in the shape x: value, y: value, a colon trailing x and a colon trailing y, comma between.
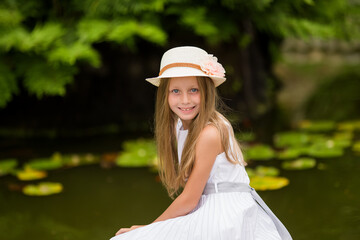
x: 220, y: 216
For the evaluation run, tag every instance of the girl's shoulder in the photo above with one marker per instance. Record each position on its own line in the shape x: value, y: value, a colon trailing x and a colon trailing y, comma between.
x: 210, y: 138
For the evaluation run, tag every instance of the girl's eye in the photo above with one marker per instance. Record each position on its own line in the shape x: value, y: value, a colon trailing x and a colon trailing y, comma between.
x: 194, y: 90
x: 175, y: 90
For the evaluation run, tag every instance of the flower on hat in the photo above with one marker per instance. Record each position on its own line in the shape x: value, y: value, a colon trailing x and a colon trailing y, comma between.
x: 211, y: 66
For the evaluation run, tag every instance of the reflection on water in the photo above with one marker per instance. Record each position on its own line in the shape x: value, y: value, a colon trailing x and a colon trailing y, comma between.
x: 318, y: 204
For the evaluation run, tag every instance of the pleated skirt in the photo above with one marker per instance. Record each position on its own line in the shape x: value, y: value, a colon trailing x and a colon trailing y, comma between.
x: 220, y: 216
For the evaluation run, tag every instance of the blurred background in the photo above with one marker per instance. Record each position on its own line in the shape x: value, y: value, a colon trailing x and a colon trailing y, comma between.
x: 77, y: 156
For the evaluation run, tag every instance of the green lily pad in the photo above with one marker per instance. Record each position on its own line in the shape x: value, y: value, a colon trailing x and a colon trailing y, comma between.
x: 325, y: 151
x: 266, y: 171
x: 318, y: 137
x: 29, y: 174
x: 317, y: 126
x: 299, y: 164
x: 347, y: 135
x: 356, y: 146
x: 328, y: 142
x: 7, y: 166
x: 137, y: 154
x: 286, y: 139
x: 43, y: 189
x: 250, y: 172
x: 349, y: 125
x: 268, y: 183
x: 75, y: 160
x: 44, y: 164
x: 259, y: 152
x: 290, y: 153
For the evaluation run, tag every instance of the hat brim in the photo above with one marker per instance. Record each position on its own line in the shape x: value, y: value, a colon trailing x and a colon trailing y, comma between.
x: 184, y: 72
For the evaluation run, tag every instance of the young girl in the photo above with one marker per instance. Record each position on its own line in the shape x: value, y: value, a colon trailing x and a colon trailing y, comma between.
x: 199, y: 155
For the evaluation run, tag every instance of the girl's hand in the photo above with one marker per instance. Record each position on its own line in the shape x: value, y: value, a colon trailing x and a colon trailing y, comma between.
x: 124, y: 230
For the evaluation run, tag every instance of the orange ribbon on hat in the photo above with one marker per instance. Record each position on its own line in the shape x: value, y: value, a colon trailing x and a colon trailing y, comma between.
x: 171, y: 65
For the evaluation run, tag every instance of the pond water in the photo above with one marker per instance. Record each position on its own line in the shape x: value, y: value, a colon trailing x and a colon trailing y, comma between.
x: 96, y: 202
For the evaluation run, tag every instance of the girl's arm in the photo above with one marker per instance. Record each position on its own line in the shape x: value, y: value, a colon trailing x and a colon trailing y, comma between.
x: 207, y: 148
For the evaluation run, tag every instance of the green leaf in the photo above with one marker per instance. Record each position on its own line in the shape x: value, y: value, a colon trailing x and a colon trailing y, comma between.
x: 289, y: 153
x: 77, y: 51
x: 317, y: 125
x: 268, y: 183
x: 8, y: 85
x: 7, y: 166
x: 123, y: 31
x: 93, y: 30
x: 266, y: 171
x: 28, y: 174
x: 152, y: 33
x: 44, y: 164
x: 137, y: 153
x: 43, y: 36
x: 291, y: 139
x: 325, y: 151
x: 356, y: 147
x: 13, y: 38
x: 9, y: 17
x: 299, y: 164
x: 197, y: 19
x: 43, y: 189
x: 45, y: 79
x: 259, y: 152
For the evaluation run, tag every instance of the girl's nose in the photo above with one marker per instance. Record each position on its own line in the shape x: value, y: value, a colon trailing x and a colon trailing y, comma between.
x: 185, y: 98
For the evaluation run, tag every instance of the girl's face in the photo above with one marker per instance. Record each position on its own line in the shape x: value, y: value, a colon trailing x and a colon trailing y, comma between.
x: 184, y: 98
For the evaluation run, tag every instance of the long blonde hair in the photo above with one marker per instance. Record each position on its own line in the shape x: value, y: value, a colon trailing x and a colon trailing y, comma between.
x: 173, y: 174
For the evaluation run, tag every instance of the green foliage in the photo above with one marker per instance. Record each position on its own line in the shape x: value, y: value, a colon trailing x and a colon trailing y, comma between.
x: 8, y: 85
x: 286, y: 139
x: 137, y: 153
x: 7, y: 166
x: 62, y: 33
x: 259, y: 152
x: 43, y: 189
x: 44, y: 164
x: 268, y: 182
x: 44, y: 79
x: 299, y: 164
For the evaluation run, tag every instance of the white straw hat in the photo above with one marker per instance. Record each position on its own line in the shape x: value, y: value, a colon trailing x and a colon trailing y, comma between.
x: 189, y: 61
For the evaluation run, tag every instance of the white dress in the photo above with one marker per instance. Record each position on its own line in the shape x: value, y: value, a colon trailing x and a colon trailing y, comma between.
x: 220, y: 216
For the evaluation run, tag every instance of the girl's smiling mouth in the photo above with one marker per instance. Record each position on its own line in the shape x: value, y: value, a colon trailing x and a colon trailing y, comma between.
x: 186, y: 109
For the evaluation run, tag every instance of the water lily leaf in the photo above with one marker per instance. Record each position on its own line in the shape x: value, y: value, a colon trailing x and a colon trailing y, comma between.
x: 349, y: 125
x: 339, y: 141
x: 317, y: 126
x: 266, y: 171
x: 43, y: 189
x: 30, y: 174
x: 317, y: 137
x: 74, y: 160
x: 268, y: 183
x: 44, y: 164
x: 290, y: 153
x: 325, y: 151
x: 356, y: 146
x: 259, y: 152
x: 137, y: 153
x: 286, y: 139
x: 250, y: 172
x: 7, y: 166
x: 299, y: 164
x: 348, y: 135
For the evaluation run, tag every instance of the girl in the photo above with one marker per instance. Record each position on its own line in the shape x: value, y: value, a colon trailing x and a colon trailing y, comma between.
x: 199, y: 155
